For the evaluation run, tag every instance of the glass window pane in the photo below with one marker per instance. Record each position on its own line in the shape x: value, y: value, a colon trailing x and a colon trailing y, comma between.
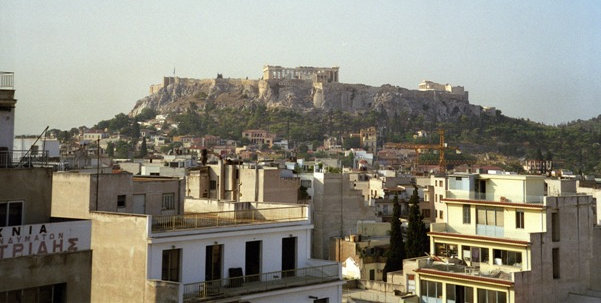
x: 469, y: 295
x: 500, y: 217
x: 490, y: 217
x: 482, y: 296
x: 481, y: 216
x: 431, y: 290
x: 502, y: 297
x: 3, y: 208
x: 438, y: 290
x: 484, y: 255
x: 492, y: 296
x: 476, y: 254
x: 15, y: 213
x: 451, y: 292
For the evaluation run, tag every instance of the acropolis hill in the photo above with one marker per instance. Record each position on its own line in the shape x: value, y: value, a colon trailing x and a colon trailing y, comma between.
x: 305, y: 89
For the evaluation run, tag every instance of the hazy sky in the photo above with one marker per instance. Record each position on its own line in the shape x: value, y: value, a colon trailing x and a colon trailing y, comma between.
x: 78, y: 62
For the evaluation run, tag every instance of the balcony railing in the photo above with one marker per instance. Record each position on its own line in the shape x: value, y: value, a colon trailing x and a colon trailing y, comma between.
x: 229, y: 218
x: 270, y: 281
x: 23, y: 158
x: 474, y: 270
x: 7, y: 80
x: 471, y: 195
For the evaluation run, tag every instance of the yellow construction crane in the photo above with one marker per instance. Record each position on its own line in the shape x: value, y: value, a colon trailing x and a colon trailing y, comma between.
x: 441, y: 147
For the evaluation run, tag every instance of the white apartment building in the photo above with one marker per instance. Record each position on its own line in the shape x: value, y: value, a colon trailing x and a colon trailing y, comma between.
x: 226, y: 252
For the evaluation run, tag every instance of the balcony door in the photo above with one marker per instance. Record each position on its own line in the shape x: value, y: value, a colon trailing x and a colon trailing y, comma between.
x: 288, y: 256
x: 214, y: 262
x: 252, y: 266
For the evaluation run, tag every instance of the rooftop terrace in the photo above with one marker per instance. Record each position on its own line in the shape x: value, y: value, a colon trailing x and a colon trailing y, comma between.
x: 254, y: 216
x: 429, y: 266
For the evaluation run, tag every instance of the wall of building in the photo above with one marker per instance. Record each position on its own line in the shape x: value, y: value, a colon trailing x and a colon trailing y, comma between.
x: 74, y: 194
x: 332, y: 291
x: 533, y: 221
x: 337, y: 207
x: 233, y: 241
x: 71, y: 195
x: 153, y: 190
x: 72, y: 268
x: 274, y: 188
x: 575, y: 244
x: 50, y: 145
x: 33, y: 186
x: 162, y: 291
x: 7, y: 118
x: 119, y: 243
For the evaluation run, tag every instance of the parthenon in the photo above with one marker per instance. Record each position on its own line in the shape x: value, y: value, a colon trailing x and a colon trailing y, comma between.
x: 315, y: 74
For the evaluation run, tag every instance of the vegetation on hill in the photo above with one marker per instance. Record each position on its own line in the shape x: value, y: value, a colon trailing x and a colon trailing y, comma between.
x: 575, y: 145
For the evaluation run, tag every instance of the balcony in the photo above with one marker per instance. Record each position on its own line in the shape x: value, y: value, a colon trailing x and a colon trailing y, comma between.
x: 7, y: 80
x: 23, y: 158
x: 457, y: 270
x: 494, y: 197
x: 229, y: 218
x: 244, y: 285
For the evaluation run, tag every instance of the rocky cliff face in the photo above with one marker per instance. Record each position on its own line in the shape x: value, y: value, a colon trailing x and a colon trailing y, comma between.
x: 301, y: 95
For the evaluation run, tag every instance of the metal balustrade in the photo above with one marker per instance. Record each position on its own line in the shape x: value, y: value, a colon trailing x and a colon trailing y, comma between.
x: 23, y: 158
x: 229, y: 218
x: 236, y: 286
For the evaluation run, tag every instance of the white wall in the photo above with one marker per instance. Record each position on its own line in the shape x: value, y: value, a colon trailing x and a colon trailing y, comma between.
x: 233, y: 241
x: 299, y: 295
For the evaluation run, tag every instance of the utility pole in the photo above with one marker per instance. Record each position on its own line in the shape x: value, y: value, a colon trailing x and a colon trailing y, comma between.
x: 97, y: 169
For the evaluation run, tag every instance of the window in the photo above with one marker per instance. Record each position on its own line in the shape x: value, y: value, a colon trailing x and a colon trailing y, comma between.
x: 121, y: 200
x: 555, y: 227
x: 430, y: 290
x: 507, y: 257
x: 555, y: 263
x: 479, y: 254
x: 11, y: 213
x: 489, y: 216
x: 459, y: 294
x: 170, y: 268
x: 49, y: 293
x: 322, y: 300
x: 444, y: 249
x: 426, y: 213
x: 439, y: 198
x: 168, y: 201
x: 467, y: 215
x: 440, y: 214
x: 519, y: 219
x: 372, y: 274
x: 491, y: 296
x: 213, y: 185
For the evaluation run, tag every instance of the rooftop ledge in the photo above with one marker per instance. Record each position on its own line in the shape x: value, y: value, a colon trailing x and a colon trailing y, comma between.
x: 271, y: 281
x: 490, y: 275
x: 203, y: 220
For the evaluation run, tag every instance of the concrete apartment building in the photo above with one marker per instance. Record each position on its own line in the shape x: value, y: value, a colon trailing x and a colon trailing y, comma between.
x: 243, y: 182
x: 42, y: 258
x: 519, y: 245
x: 225, y: 252
x: 337, y: 207
x: 76, y: 194
x: 363, y: 254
